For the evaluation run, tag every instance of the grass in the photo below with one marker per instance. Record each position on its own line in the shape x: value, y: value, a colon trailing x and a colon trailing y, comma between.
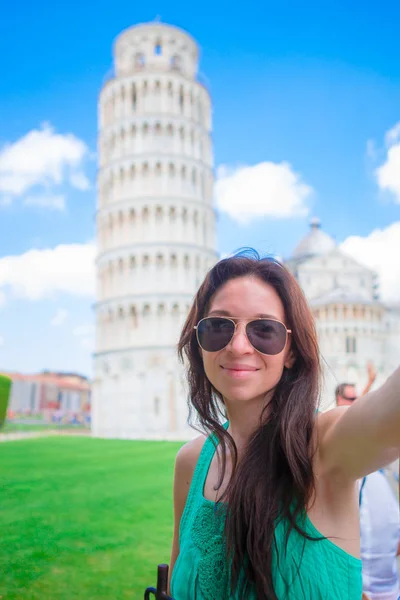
x: 84, y: 518
x: 24, y: 427
x: 15, y: 427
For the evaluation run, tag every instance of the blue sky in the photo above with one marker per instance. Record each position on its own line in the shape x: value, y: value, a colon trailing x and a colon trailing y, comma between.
x: 313, y: 86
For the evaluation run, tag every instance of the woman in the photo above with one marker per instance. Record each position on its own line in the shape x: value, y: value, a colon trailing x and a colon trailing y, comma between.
x: 266, y: 505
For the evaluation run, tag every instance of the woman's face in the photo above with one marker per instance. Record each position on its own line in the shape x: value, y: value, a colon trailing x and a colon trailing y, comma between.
x: 238, y: 371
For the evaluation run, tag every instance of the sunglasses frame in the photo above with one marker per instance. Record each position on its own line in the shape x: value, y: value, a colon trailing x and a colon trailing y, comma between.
x: 236, y: 321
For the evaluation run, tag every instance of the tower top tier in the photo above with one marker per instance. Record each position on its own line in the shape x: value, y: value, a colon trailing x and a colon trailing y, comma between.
x: 155, y: 47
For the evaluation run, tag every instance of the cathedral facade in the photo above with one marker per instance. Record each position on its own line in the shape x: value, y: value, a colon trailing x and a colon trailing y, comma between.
x: 354, y: 326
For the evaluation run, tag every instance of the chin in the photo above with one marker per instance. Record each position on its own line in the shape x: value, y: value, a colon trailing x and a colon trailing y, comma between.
x: 242, y: 396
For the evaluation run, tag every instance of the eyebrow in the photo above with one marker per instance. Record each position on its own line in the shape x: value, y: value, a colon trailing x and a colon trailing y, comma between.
x: 226, y: 313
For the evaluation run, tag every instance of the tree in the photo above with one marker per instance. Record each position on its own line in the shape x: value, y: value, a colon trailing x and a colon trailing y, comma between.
x: 5, y: 389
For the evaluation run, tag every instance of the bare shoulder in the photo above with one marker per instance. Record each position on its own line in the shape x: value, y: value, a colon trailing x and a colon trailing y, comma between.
x: 186, y: 459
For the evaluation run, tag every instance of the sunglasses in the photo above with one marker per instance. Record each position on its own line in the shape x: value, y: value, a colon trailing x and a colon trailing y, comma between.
x: 267, y: 336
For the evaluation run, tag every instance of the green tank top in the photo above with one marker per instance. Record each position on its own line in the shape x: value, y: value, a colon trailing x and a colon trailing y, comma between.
x: 308, y: 570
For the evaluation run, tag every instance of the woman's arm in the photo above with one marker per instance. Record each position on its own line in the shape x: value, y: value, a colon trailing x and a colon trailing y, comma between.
x: 357, y: 440
x: 185, y: 463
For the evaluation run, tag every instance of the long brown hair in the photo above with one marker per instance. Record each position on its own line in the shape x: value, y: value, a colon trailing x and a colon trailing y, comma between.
x: 274, y: 477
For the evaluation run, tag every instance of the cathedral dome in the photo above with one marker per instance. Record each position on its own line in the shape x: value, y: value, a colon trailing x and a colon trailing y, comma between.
x: 315, y: 243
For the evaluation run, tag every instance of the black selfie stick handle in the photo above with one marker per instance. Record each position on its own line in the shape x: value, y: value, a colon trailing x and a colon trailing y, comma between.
x: 162, y: 585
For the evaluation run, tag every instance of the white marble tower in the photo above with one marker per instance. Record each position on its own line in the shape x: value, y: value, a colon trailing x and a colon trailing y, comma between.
x: 155, y: 229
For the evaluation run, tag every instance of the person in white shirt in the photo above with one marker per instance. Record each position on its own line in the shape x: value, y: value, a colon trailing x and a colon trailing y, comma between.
x: 380, y: 537
x: 379, y: 521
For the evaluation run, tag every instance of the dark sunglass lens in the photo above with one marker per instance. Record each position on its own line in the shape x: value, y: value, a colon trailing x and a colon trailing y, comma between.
x: 214, y: 333
x: 267, y: 336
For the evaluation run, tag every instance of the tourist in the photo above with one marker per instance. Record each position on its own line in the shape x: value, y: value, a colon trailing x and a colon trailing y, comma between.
x: 379, y: 520
x: 345, y: 393
x: 271, y: 509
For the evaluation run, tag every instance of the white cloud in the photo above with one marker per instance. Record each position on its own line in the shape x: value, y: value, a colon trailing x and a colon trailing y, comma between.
x: 53, y: 202
x: 44, y: 158
x: 38, y: 274
x: 1, y: 340
x: 393, y: 135
x: 80, y: 181
x: 380, y: 250
x: 2, y: 298
x: 85, y: 334
x: 263, y: 190
x: 388, y: 174
x: 59, y: 318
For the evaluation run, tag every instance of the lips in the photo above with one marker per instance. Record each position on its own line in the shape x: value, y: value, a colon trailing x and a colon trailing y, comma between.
x: 238, y: 371
x: 239, y: 368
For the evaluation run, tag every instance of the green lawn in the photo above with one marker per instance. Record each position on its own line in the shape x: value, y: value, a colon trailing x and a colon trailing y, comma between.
x: 82, y: 518
x: 16, y: 427
x: 25, y: 427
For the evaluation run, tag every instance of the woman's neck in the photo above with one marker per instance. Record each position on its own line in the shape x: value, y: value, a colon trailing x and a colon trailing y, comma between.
x: 244, y: 420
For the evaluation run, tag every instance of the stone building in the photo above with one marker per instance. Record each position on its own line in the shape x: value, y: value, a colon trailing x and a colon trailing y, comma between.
x: 155, y: 228
x: 48, y: 393
x: 354, y: 326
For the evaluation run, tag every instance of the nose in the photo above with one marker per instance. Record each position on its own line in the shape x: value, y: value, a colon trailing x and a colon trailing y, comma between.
x: 240, y: 344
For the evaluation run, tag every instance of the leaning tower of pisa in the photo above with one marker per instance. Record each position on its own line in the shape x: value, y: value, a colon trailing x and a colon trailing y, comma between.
x: 155, y: 229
